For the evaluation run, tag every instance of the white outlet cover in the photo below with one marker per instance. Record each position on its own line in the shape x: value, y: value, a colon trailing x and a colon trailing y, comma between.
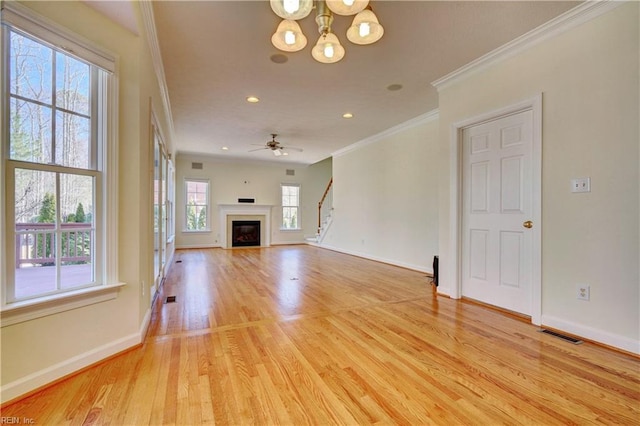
x: 583, y: 292
x: 581, y: 184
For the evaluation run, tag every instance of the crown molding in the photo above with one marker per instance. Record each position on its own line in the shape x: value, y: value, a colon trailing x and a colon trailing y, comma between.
x: 152, y: 38
x: 421, y: 119
x: 560, y: 24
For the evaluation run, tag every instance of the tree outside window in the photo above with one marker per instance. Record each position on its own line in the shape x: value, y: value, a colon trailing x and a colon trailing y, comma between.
x: 197, y: 202
x: 290, y: 206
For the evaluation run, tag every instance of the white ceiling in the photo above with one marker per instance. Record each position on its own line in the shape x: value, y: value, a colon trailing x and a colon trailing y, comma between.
x: 216, y: 53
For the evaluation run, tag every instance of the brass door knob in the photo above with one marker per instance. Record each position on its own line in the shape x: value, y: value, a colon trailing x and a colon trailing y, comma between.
x: 528, y: 224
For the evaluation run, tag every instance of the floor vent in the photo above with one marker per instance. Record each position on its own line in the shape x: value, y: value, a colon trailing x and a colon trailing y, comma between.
x: 561, y: 336
x: 170, y: 299
x: 178, y: 261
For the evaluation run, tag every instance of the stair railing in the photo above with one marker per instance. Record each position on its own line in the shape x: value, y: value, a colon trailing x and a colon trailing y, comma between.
x: 321, y: 202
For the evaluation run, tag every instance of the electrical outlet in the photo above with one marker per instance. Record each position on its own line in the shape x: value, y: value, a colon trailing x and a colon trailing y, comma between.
x: 581, y: 185
x: 583, y: 292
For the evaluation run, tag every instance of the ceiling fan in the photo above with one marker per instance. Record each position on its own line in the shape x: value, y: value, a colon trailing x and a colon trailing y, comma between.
x: 275, y: 146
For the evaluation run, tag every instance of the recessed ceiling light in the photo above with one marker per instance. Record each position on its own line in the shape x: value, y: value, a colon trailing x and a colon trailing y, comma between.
x: 347, y: 115
x: 253, y: 99
x: 225, y: 148
x: 285, y: 153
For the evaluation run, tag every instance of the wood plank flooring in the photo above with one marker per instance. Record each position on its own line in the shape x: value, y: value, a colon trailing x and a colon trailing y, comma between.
x: 300, y: 335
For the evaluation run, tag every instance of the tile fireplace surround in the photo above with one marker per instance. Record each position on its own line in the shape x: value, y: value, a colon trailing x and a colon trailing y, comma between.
x: 230, y: 212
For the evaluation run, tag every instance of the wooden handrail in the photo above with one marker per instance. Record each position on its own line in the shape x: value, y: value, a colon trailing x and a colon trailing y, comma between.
x: 324, y: 196
x: 32, y: 240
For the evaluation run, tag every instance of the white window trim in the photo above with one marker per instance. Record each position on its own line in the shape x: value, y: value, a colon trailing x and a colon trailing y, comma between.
x: 207, y: 229
x: 299, y: 227
x: 24, y: 19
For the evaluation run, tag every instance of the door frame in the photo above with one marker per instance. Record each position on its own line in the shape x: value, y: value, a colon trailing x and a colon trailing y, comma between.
x: 454, y: 266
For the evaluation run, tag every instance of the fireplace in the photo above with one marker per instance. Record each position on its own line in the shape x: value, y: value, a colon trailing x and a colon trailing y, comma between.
x: 229, y: 213
x: 245, y: 233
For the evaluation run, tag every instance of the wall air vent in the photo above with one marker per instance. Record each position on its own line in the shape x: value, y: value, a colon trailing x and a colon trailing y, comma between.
x: 247, y: 200
x: 291, y: 172
x: 196, y: 166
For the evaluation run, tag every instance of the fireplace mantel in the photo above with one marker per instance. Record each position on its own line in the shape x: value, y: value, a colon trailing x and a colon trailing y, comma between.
x: 239, y: 209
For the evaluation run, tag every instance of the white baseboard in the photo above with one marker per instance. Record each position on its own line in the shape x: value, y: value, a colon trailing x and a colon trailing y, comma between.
x: 69, y: 366
x: 596, y: 335
x: 144, y: 327
x: 198, y: 246
x: 287, y: 243
x: 419, y: 268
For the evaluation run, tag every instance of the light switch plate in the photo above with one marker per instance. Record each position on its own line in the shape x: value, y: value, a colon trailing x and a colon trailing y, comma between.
x: 581, y: 184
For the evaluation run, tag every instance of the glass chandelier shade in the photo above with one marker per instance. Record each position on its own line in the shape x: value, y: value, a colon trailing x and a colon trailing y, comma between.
x: 289, y: 37
x: 365, y: 28
x: 328, y: 50
x: 347, y: 7
x: 292, y: 9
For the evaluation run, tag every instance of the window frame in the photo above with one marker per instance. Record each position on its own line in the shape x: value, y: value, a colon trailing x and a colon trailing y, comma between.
x: 207, y: 205
x: 22, y: 20
x: 297, y: 207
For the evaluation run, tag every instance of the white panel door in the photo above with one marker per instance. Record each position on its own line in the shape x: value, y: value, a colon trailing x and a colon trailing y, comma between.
x: 497, y: 202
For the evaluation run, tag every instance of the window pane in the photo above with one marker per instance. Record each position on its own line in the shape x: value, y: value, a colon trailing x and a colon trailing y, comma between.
x: 202, y: 217
x: 34, y: 196
x: 77, y: 232
x: 290, y: 195
x: 30, y: 127
x: 72, y: 84
x: 72, y: 140
x: 30, y: 68
x: 200, y: 198
x: 35, y: 226
x: 290, y: 217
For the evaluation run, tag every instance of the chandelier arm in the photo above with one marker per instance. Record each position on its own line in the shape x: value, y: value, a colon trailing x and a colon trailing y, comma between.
x: 324, y: 17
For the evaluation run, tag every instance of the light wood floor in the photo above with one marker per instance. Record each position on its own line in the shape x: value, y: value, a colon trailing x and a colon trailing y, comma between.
x: 300, y: 335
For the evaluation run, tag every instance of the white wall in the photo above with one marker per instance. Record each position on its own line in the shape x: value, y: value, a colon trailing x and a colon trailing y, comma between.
x: 230, y: 180
x: 39, y: 351
x: 589, y: 79
x: 384, y: 196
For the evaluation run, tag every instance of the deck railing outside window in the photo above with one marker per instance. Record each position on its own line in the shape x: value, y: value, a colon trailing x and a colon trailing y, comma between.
x: 35, y: 243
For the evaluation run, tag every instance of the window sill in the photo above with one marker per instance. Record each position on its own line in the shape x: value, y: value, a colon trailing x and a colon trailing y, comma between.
x: 199, y: 231
x: 290, y: 230
x: 27, y: 310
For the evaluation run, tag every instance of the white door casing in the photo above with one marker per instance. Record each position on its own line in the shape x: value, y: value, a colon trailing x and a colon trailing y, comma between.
x: 496, y: 202
x: 454, y: 262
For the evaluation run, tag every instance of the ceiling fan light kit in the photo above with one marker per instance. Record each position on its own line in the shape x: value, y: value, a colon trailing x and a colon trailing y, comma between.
x: 365, y: 29
x: 275, y: 147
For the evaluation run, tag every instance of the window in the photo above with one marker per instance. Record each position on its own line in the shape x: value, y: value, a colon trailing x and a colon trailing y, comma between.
x: 196, y: 206
x: 55, y: 156
x: 290, y: 206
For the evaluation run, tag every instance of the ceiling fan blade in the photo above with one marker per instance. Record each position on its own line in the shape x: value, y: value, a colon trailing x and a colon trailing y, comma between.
x: 292, y: 148
x: 259, y: 149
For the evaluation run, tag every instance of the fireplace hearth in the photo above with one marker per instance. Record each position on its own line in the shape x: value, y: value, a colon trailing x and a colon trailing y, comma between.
x: 245, y: 233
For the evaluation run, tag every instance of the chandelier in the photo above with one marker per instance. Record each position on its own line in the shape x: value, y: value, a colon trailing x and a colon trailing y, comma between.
x: 365, y: 28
